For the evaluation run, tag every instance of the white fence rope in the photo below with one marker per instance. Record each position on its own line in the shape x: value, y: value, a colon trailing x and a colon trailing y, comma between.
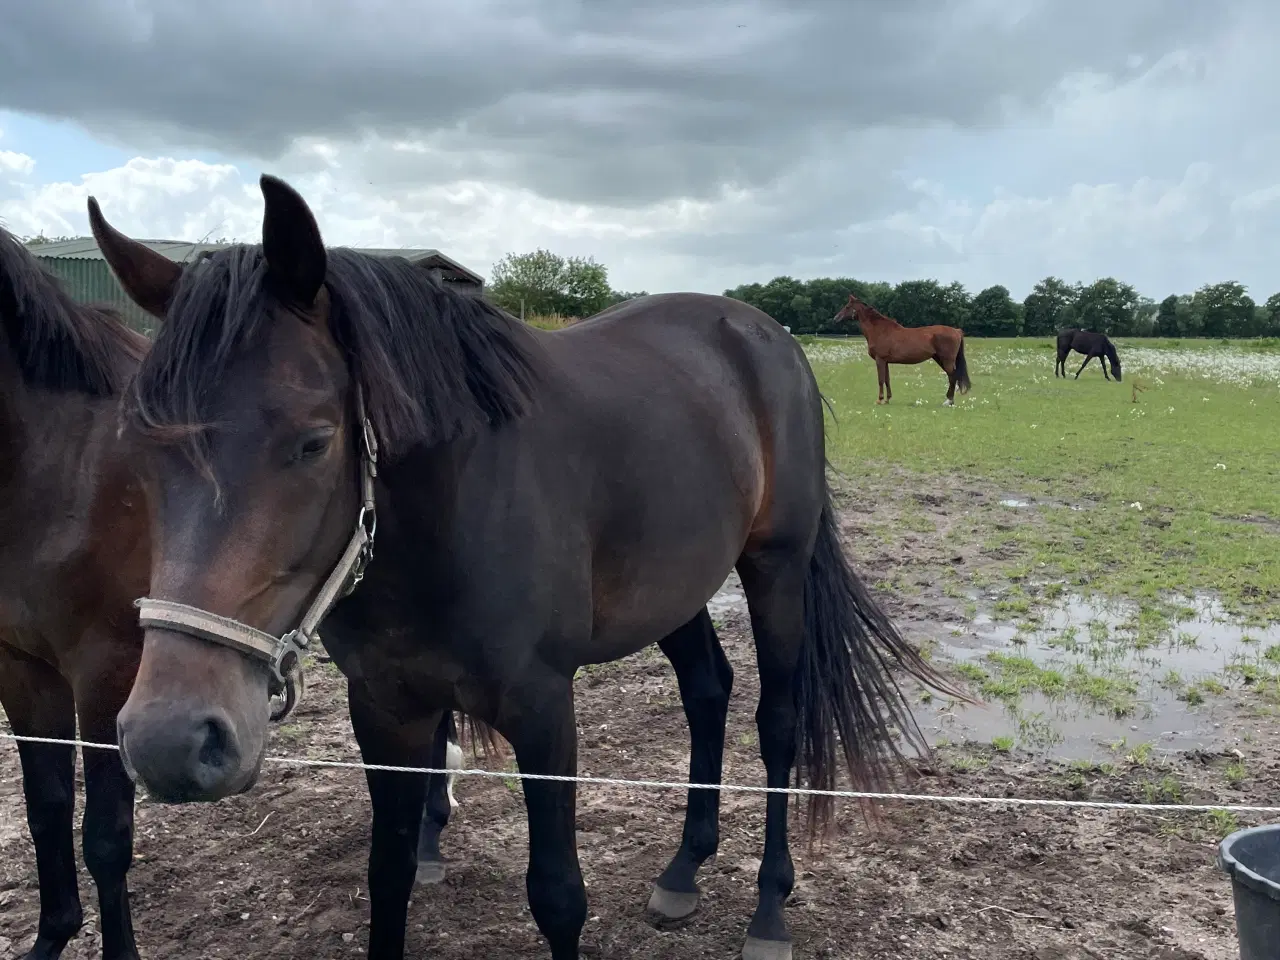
x: 729, y: 787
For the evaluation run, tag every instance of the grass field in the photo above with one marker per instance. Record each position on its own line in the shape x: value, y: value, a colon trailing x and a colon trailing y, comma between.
x: 1170, y: 503
x: 1182, y: 487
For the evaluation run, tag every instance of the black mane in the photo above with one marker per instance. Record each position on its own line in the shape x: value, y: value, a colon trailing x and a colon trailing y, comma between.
x: 60, y: 344
x: 434, y: 365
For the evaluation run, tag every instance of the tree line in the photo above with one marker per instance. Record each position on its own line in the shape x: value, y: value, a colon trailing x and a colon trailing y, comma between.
x: 1107, y: 306
x: 543, y: 283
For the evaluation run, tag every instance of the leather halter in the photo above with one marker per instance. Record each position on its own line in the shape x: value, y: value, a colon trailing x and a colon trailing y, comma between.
x: 283, y: 655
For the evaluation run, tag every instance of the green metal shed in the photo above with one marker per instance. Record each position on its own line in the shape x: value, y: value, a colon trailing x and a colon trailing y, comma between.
x: 85, y: 275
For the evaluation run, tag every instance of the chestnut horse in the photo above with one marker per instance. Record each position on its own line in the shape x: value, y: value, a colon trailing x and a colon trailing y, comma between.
x: 545, y: 500
x: 74, y: 554
x: 890, y: 342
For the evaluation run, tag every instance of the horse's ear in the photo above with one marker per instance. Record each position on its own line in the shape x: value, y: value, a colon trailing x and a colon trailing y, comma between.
x: 291, y: 242
x: 146, y: 276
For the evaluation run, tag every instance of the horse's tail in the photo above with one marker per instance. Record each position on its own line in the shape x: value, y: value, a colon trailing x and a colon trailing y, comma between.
x: 962, y: 368
x: 484, y: 738
x: 845, y: 696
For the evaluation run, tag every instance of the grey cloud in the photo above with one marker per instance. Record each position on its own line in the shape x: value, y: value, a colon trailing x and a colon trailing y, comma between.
x: 615, y: 102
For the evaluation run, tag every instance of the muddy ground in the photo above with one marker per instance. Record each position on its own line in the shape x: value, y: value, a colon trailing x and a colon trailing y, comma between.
x: 281, y: 873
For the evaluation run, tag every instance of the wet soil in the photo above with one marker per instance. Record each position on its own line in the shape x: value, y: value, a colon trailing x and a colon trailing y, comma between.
x: 281, y: 872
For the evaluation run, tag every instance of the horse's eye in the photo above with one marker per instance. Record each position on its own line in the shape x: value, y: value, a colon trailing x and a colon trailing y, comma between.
x: 313, y: 444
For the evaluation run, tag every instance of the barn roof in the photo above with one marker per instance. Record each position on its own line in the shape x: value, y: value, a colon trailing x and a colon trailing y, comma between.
x: 181, y: 251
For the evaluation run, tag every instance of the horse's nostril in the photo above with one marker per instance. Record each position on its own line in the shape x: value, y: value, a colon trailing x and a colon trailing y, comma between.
x: 213, y: 747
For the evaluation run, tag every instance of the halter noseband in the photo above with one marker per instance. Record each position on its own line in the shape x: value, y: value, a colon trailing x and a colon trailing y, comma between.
x: 284, y: 654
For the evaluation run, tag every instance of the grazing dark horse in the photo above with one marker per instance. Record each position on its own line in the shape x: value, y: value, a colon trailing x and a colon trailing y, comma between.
x: 74, y: 552
x: 1091, y: 345
x: 890, y: 342
x: 545, y: 500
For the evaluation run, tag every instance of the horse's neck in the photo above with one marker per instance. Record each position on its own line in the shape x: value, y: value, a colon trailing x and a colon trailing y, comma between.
x: 53, y: 444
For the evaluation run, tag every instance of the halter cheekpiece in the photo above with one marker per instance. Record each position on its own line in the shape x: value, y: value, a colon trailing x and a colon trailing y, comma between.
x: 284, y: 654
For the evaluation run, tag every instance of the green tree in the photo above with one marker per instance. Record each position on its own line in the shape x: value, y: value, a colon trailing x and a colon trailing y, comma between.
x: 1225, y: 309
x: 828, y: 294
x: 809, y: 306
x: 1048, y: 308
x: 1166, y: 323
x: 543, y: 282
x: 1189, y: 320
x: 1106, y: 306
x: 994, y: 313
x: 40, y: 239
x: 1271, y: 315
x: 922, y: 303
x: 619, y: 296
x: 1144, y: 318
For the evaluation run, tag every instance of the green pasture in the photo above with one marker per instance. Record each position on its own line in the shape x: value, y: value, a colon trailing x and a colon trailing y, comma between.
x: 1174, y: 495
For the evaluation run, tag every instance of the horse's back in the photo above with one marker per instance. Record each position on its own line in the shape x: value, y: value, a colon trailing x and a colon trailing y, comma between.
x: 689, y: 346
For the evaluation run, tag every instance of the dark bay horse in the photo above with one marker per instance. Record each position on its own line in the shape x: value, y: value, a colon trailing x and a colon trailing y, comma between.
x: 543, y: 501
x: 74, y: 555
x: 1091, y: 345
x: 74, y: 552
x: 890, y: 342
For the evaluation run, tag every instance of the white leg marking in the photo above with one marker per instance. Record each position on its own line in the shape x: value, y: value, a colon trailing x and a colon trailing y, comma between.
x: 453, y: 761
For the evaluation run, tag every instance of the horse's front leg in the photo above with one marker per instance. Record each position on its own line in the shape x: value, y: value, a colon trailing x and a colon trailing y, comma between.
x: 39, y: 703
x: 397, y: 800
x: 882, y: 380
x: 538, y: 720
x: 1103, y: 362
x: 109, y: 794
x: 1083, y: 365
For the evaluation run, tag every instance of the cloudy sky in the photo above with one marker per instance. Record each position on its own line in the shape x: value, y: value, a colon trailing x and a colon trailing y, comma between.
x: 687, y: 144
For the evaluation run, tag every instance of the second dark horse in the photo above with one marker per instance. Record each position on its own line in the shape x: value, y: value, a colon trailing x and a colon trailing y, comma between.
x: 1091, y: 345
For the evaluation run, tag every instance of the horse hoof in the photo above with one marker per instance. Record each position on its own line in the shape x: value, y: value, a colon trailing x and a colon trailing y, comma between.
x: 670, y: 905
x: 430, y: 873
x: 755, y: 949
x: 948, y: 403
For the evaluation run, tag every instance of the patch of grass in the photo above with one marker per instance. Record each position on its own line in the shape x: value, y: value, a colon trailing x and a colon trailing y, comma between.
x: 1198, y: 452
x: 1235, y: 772
x: 1003, y: 744
x: 1141, y: 754
x: 512, y: 783
x: 1220, y: 824
x: 1165, y: 790
x: 1012, y: 676
x: 969, y: 763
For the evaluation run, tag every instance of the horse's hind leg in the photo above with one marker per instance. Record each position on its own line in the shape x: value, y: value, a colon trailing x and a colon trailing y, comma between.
x: 773, y: 578
x: 445, y: 754
x: 949, y: 368
x: 706, y: 679
x: 39, y: 703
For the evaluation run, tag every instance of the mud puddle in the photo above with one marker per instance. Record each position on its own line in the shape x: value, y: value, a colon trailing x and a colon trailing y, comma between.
x: 1085, y: 681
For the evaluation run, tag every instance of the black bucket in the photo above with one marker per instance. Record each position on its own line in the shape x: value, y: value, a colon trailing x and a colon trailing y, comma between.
x: 1251, y: 858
